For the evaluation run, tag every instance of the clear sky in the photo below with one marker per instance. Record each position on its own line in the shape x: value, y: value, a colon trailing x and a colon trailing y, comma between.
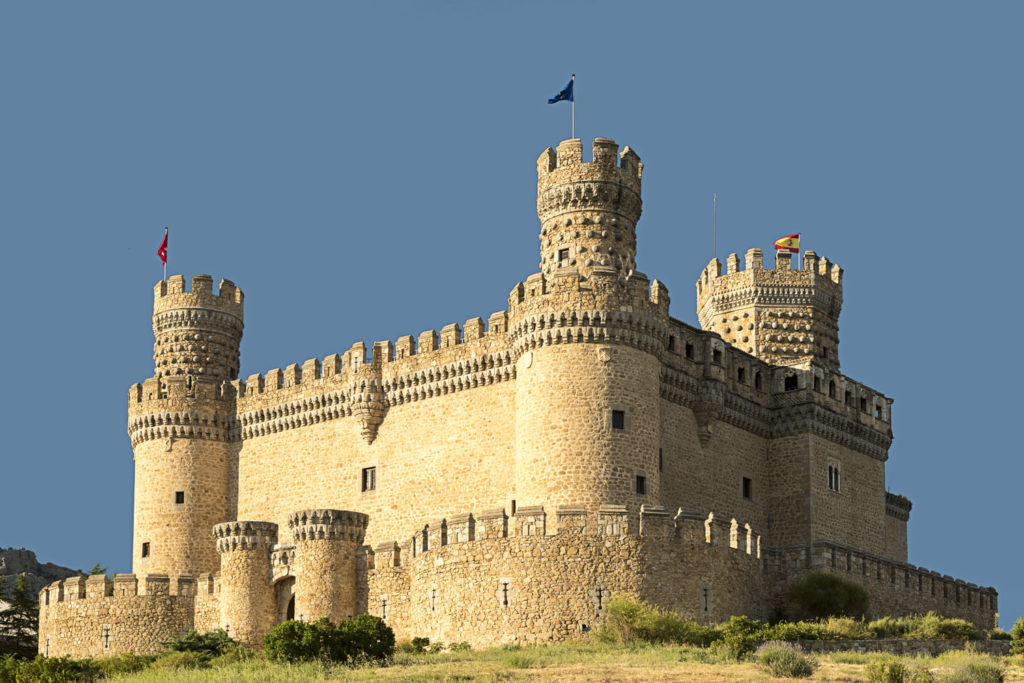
x: 367, y: 170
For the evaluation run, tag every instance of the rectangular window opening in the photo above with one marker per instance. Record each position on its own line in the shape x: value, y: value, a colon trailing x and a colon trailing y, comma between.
x: 671, y: 343
x: 563, y: 257
x: 791, y: 383
x: 878, y: 412
x: 748, y: 488
x: 863, y: 405
x: 145, y: 549
x: 179, y: 497
x: 716, y: 356
x: 689, y: 350
x: 661, y: 460
x: 618, y: 419
x: 741, y: 375
x: 369, y: 481
x: 641, y: 485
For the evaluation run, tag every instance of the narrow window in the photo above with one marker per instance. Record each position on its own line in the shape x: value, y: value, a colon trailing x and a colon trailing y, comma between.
x: 689, y: 350
x: 105, y: 636
x: 705, y: 598
x: 831, y: 389
x: 369, y: 478
x: 833, y: 476
x: 757, y: 380
x: 817, y: 383
x: 384, y: 608
x: 741, y: 375
x: 179, y: 497
x: 661, y: 460
x: 791, y: 383
x: 878, y: 412
x: 671, y: 343
x: 563, y: 257
x: 716, y: 356
x: 145, y: 549
x: 863, y: 405
x: 504, y: 594
x: 433, y: 599
x: 641, y: 485
x: 618, y: 419
x: 748, y: 487
x: 848, y: 399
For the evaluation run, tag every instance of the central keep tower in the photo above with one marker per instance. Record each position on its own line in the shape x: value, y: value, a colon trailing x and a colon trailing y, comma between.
x: 587, y: 334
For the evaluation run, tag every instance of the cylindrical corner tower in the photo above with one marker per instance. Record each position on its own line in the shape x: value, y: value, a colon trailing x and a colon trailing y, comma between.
x: 325, y: 548
x: 247, y: 607
x: 178, y: 423
x: 587, y: 333
x: 588, y: 211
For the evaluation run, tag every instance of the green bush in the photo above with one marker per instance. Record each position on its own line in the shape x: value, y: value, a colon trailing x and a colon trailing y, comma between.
x: 892, y: 670
x: 928, y: 627
x: 206, y: 645
x: 356, y: 639
x: 821, y: 594
x: 974, y: 672
x: 462, y: 646
x: 998, y: 634
x: 784, y: 660
x: 179, y: 660
x: 740, y: 635
x: 1017, y: 637
x: 47, y: 670
x: 629, y: 620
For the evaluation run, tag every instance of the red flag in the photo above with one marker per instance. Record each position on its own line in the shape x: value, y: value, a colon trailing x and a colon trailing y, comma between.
x: 162, y: 251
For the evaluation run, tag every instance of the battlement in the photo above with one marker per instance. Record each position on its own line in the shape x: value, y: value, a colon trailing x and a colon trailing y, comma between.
x: 565, y: 164
x: 611, y: 521
x: 99, y: 587
x: 328, y: 525
x: 172, y: 293
x: 245, y: 536
x: 898, y: 506
x: 814, y: 271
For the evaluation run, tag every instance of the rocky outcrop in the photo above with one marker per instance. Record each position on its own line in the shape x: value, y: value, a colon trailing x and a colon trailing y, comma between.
x: 14, y: 561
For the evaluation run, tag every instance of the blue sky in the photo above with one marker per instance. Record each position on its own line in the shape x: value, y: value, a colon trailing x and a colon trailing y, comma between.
x: 367, y: 170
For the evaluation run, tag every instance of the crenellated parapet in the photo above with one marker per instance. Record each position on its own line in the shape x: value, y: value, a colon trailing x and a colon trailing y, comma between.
x: 898, y: 506
x: 785, y: 316
x: 330, y: 525
x: 233, y: 536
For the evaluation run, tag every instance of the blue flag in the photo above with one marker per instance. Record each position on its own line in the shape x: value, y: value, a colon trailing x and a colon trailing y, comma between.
x: 565, y: 95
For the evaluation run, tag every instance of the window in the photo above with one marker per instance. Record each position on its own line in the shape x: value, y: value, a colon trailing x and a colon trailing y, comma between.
x: 757, y: 380
x: 791, y: 383
x: 716, y: 356
x: 863, y: 405
x: 741, y: 375
x: 834, y: 482
x: 179, y: 497
x: 748, y: 488
x: 641, y: 485
x: 145, y: 549
x: 878, y: 412
x: 671, y: 343
x: 849, y: 398
x: 689, y: 350
x: 563, y: 257
x: 831, y: 389
x: 619, y: 419
x: 661, y: 460
x: 817, y: 383
x: 369, y: 480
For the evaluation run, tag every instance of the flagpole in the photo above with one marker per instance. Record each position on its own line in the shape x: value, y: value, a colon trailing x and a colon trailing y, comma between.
x: 572, y: 128
x: 714, y: 224
x: 165, y: 258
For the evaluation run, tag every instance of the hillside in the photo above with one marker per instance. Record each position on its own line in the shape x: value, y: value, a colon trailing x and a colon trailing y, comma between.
x: 14, y: 561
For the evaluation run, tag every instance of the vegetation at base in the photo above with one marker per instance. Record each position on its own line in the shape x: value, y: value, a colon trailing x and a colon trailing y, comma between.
x: 892, y: 670
x: 630, y: 620
x: 1017, y: 637
x: 822, y: 594
x: 785, y: 660
x: 204, y: 646
x: 357, y: 639
x: 20, y: 621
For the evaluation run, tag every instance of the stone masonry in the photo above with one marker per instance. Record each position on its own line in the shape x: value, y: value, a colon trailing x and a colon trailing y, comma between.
x: 602, y: 446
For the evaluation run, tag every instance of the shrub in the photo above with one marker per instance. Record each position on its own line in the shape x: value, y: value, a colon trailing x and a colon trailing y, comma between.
x: 420, y: 645
x: 358, y: 638
x: 179, y: 660
x: 821, y: 594
x: 365, y: 637
x: 296, y: 641
x: 1017, y: 637
x: 974, y: 672
x: 894, y: 671
x: 784, y: 660
x: 629, y: 620
x: 933, y: 627
x: 460, y: 647
x: 206, y: 645
x: 741, y: 635
x: 998, y: 634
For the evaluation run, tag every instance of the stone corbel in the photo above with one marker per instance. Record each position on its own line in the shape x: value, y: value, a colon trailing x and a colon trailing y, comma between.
x: 708, y: 407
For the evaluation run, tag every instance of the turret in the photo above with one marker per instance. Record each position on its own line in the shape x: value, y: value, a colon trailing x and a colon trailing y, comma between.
x: 588, y: 211
x: 325, y: 543
x: 784, y: 316
x: 247, y: 609
x: 587, y: 333
x: 178, y: 422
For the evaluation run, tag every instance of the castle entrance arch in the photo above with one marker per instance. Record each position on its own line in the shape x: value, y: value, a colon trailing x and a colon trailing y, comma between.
x: 284, y: 598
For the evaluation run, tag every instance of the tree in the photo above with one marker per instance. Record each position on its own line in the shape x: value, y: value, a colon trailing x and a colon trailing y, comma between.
x: 821, y: 594
x: 19, y: 623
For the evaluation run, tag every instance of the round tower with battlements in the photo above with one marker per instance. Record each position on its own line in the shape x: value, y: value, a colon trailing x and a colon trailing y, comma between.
x: 784, y: 316
x: 326, y: 542
x: 247, y: 609
x: 178, y: 422
x: 587, y: 333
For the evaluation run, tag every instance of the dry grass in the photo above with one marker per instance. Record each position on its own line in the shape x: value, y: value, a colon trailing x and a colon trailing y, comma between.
x: 590, y: 663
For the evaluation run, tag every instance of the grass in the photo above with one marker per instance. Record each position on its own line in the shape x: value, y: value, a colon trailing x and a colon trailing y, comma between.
x: 561, y: 662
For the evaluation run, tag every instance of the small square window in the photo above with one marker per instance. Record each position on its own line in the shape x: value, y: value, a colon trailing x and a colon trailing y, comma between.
x: 145, y: 549
x: 791, y: 383
x: 369, y: 479
x: 179, y: 497
x: 618, y: 419
x: 716, y: 356
x: 748, y: 488
x: 641, y: 485
x: 563, y: 256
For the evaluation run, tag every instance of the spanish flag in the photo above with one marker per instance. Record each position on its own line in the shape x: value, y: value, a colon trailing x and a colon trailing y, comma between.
x: 790, y: 243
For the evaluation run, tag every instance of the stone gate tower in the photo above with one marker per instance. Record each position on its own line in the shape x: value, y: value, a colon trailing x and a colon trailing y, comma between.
x: 178, y: 422
x: 587, y: 333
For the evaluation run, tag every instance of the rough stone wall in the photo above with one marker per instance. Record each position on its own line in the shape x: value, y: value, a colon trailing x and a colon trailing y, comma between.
x: 540, y: 588
x: 77, y: 618
x: 855, y: 514
x: 207, y: 606
x: 247, y: 607
x: 326, y: 544
x: 895, y: 588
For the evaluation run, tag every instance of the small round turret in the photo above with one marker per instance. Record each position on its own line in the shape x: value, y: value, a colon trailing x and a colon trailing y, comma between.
x: 198, y: 332
x: 325, y: 544
x: 247, y: 608
x: 588, y: 211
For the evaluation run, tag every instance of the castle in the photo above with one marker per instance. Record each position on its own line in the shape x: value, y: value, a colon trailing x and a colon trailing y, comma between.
x: 498, y: 482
